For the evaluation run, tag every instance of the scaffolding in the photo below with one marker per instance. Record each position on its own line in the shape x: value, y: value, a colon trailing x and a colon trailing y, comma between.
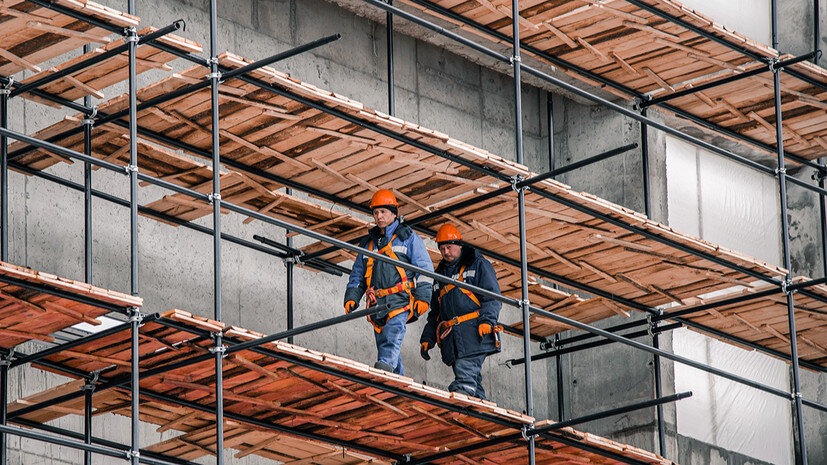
x: 471, y: 181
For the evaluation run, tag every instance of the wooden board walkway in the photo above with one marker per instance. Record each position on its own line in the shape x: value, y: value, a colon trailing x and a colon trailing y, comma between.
x: 633, y: 47
x: 31, y: 34
x: 28, y: 314
x: 302, y: 389
x: 280, y: 135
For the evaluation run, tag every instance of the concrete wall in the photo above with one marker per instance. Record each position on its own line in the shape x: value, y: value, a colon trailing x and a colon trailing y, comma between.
x: 436, y: 88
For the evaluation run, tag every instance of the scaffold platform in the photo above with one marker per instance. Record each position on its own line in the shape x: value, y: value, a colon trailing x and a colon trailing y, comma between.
x: 299, y: 405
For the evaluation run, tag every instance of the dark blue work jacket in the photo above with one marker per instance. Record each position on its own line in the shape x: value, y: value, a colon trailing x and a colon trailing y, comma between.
x: 464, y: 339
x: 409, y: 248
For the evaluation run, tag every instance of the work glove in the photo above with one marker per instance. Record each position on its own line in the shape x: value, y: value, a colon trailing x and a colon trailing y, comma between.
x: 350, y: 306
x: 420, y: 307
x: 424, y: 351
x: 483, y: 329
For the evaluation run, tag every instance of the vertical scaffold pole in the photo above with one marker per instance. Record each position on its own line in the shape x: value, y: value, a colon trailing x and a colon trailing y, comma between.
x: 4, y: 175
x: 647, y: 208
x: 798, y: 419
x: 644, y: 152
x: 518, y: 138
x: 391, y: 91
x: 822, y: 204
x: 774, y: 23
x: 558, y: 359
x: 216, y: 199
x: 4, y: 399
x: 290, y: 265
x: 88, y: 391
x: 816, y: 33
x: 87, y: 189
x: 135, y: 318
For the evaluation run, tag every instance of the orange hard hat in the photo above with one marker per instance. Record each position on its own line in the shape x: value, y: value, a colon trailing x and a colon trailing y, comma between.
x: 448, y: 233
x: 383, y: 198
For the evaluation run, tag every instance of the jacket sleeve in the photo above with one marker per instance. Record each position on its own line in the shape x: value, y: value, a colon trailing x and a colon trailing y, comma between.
x: 487, y: 279
x: 419, y: 257
x: 356, y: 284
x: 429, y: 331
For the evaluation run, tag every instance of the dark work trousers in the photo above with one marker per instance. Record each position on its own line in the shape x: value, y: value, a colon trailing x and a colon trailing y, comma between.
x: 468, y: 379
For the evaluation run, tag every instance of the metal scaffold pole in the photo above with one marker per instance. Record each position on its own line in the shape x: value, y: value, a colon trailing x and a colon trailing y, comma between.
x: 88, y: 392
x: 518, y: 139
x: 798, y: 419
x: 4, y: 399
x: 653, y: 325
x: 391, y: 91
x: 135, y: 317
x: 558, y: 360
x: 215, y: 77
x: 87, y: 191
x: 4, y: 174
x: 290, y: 268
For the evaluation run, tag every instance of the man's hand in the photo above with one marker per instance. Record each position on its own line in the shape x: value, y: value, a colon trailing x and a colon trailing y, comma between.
x: 350, y: 305
x: 424, y: 351
x: 483, y: 329
x: 420, y: 307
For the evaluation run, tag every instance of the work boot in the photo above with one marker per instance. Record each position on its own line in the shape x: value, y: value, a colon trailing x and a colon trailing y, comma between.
x: 383, y: 366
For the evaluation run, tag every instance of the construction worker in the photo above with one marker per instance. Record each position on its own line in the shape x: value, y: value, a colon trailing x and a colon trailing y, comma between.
x: 406, y: 293
x: 461, y: 323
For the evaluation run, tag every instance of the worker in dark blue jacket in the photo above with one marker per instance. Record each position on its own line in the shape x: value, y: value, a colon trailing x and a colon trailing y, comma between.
x: 462, y: 324
x: 406, y: 293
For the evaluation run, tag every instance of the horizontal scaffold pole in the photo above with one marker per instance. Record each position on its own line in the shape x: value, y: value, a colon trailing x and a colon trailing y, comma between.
x: 94, y: 448
x: 38, y: 83
x: 381, y: 257
x: 551, y: 427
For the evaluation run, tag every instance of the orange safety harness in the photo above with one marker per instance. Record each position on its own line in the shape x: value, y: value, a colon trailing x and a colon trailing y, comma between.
x: 444, y: 328
x: 404, y: 285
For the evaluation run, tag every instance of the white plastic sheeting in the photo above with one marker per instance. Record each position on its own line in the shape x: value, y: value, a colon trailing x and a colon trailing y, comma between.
x: 748, y: 17
x: 728, y: 414
x: 737, y: 207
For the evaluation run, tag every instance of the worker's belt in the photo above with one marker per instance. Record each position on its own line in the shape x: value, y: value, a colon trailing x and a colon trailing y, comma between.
x: 444, y: 328
x: 399, y: 287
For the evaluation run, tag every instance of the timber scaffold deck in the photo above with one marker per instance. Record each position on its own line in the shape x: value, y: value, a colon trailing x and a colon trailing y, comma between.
x: 298, y: 405
x: 282, y: 401
x: 649, y: 55
x: 268, y: 137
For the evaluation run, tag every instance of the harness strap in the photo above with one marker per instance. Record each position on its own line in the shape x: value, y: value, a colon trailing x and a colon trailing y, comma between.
x: 405, y: 285
x: 444, y: 290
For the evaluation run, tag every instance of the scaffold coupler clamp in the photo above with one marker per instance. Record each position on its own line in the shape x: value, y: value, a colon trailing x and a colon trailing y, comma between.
x: 785, y: 286
x: 515, y: 60
x: 129, y: 168
x: 295, y: 259
x: 92, y: 382
x: 820, y: 174
x: 90, y: 119
x: 130, y: 34
x: 524, y: 432
x: 5, y: 360
x: 516, y: 179
x: 213, y: 197
x: 5, y: 89
x: 796, y: 396
x: 136, y: 315
x: 781, y: 170
x: 131, y: 453
x: 773, y: 64
x: 219, y: 347
x: 637, y: 102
